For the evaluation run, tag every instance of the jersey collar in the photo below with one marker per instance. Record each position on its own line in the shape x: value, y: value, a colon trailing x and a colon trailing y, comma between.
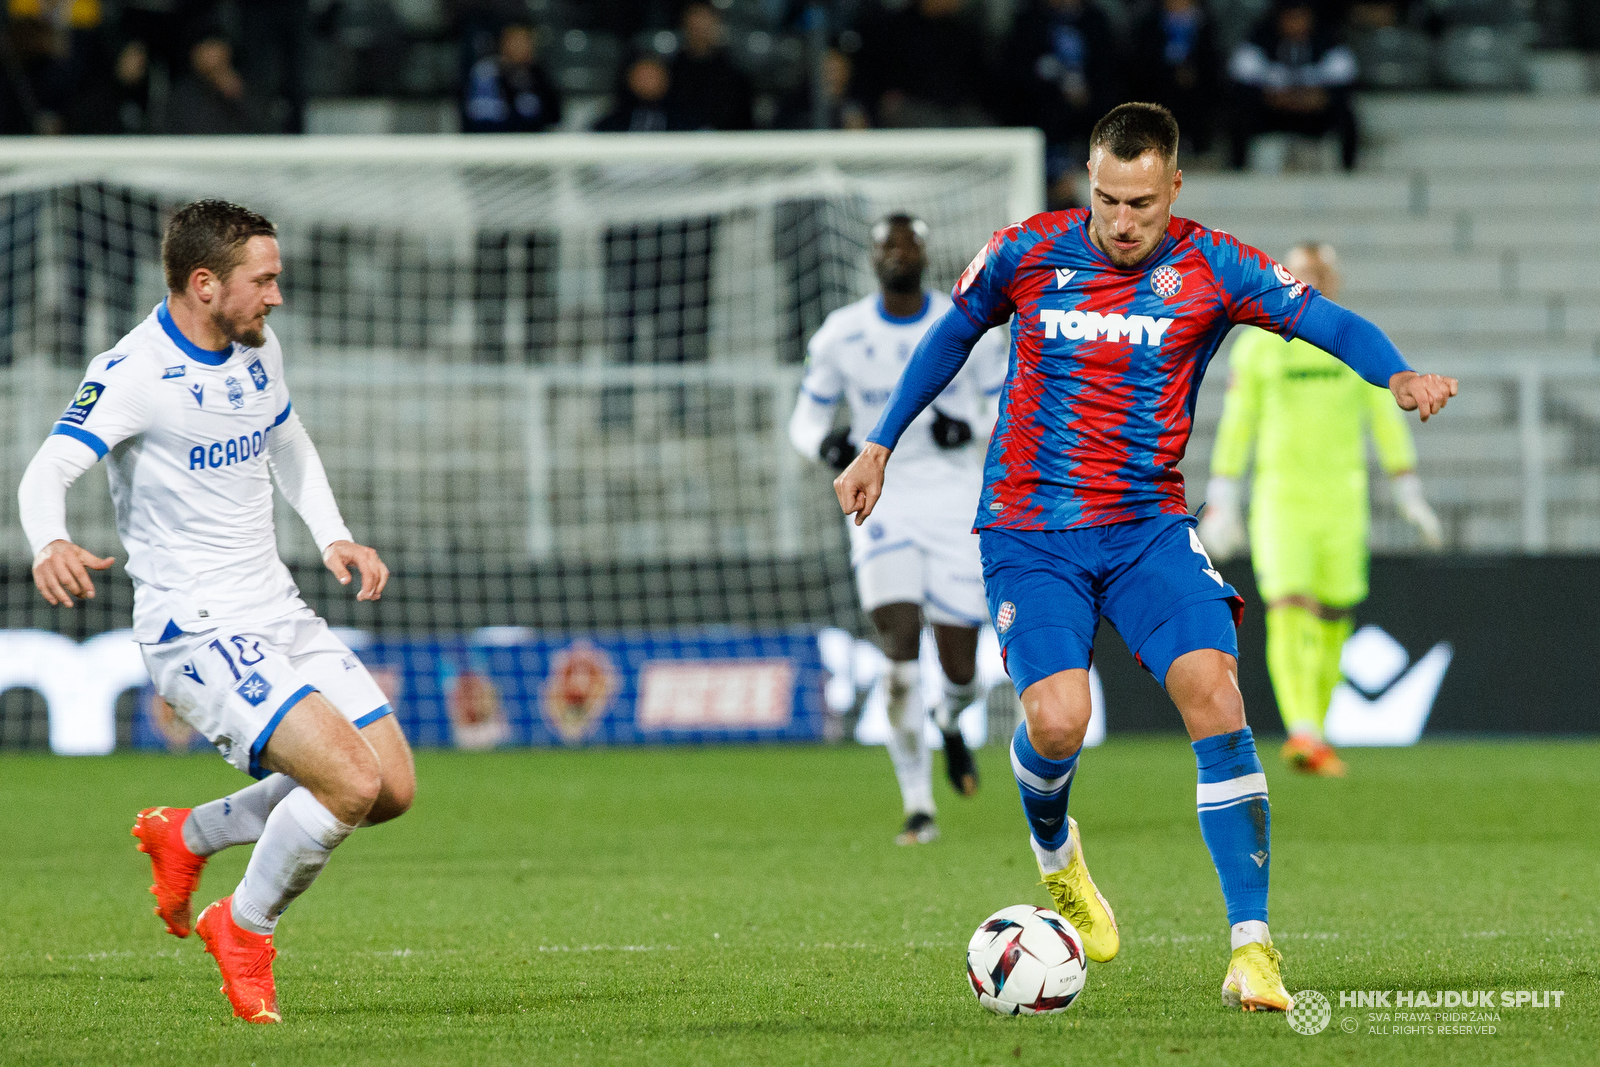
x: 200, y: 355
x: 903, y: 320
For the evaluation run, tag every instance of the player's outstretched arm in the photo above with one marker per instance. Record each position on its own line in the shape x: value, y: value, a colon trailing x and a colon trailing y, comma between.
x: 859, y: 487
x: 938, y: 358
x: 341, y: 556
x: 1370, y: 353
x: 61, y: 572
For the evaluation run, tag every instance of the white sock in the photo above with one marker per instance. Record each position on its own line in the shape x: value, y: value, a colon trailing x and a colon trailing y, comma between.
x: 1251, y: 930
x: 1052, y: 860
x: 236, y: 819
x: 908, y: 744
x: 300, y: 835
x: 957, y: 698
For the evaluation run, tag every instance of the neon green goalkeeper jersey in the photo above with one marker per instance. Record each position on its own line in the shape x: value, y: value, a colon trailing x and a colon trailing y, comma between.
x: 1306, y: 412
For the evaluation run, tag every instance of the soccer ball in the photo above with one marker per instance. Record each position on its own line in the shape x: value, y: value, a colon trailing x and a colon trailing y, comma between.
x: 1025, y: 960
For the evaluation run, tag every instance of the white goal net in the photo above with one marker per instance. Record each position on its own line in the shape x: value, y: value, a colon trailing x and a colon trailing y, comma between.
x: 549, y: 376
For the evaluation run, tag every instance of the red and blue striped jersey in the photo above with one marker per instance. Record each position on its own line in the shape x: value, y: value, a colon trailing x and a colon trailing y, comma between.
x: 1106, y: 363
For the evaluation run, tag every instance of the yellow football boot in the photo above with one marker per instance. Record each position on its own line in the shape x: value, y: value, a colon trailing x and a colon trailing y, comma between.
x: 1254, y: 981
x: 1080, y: 903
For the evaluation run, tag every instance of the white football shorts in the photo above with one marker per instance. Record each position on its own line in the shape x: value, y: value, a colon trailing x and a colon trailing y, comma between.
x: 235, y: 683
x: 918, y: 547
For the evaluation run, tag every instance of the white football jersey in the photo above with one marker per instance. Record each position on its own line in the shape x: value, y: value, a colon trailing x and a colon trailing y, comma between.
x: 184, y: 432
x: 859, y: 354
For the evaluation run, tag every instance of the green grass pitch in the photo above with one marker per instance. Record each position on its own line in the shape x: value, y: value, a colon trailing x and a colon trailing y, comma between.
x: 737, y: 906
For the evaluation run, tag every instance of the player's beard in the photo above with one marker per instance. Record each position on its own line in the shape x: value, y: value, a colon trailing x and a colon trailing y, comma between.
x: 247, y: 333
x: 1119, y: 258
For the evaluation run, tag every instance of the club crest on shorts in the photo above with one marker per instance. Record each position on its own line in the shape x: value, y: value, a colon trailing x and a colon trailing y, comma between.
x: 255, y: 689
x: 581, y: 683
x: 1005, y: 616
x: 1167, y: 281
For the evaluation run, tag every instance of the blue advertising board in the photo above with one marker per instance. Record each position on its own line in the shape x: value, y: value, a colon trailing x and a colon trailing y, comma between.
x: 513, y: 686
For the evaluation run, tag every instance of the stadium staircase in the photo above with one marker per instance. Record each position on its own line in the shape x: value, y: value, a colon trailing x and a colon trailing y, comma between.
x: 1472, y: 236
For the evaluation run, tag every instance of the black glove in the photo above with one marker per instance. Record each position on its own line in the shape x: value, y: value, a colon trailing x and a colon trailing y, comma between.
x: 837, y: 451
x: 948, y: 432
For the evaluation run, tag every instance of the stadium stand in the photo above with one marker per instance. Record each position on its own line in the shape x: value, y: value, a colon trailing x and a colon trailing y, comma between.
x: 1469, y: 239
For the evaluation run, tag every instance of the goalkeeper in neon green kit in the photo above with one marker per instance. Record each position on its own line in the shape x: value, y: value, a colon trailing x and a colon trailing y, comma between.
x: 1305, y: 412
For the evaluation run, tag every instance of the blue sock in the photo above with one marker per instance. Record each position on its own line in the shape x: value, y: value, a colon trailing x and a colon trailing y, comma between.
x: 1236, y: 821
x: 1044, y: 785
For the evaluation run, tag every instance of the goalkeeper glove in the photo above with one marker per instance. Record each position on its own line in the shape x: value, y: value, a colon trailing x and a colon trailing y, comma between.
x: 1407, y: 489
x: 1221, y: 523
x: 948, y: 432
x: 836, y: 450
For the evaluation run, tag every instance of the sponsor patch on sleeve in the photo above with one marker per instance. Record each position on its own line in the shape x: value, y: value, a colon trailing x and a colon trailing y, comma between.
x: 89, y: 395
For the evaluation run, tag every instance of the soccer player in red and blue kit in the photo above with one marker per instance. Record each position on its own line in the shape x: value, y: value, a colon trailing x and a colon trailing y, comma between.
x: 1115, y: 312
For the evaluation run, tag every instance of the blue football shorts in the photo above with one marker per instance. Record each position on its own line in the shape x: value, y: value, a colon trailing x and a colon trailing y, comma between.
x: 1150, y: 578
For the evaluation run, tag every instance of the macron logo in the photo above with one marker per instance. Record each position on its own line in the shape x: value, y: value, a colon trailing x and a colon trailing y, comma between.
x: 1063, y: 276
x: 1092, y: 325
x: 1385, y: 699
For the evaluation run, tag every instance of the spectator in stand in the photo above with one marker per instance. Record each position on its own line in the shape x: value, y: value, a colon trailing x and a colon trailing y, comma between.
x: 510, y: 92
x: 1175, y: 61
x: 212, y: 98
x: 1060, y: 63
x: 924, y: 66
x: 273, y: 57
x: 642, y: 104
x: 844, y: 110
x: 1293, y: 76
x: 708, y: 91
x: 49, y: 46
x: 167, y: 30
x: 1379, y: 14
x: 114, y: 94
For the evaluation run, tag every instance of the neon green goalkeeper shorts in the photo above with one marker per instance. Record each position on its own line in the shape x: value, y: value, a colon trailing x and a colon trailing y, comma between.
x: 1300, y: 548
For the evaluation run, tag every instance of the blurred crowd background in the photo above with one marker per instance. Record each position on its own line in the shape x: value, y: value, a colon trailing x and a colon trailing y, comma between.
x: 1230, y: 69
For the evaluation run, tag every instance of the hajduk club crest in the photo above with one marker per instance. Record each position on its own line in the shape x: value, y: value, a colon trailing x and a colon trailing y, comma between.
x: 1166, y: 281
x: 1005, y: 616
x: 581, y: 683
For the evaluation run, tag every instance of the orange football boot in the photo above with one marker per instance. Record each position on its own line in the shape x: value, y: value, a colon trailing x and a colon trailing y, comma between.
x: 245, y: 959
x: 1312, y: 755
x: 176, y: 869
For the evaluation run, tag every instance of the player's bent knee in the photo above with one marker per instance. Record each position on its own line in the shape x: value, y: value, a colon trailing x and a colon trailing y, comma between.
x: 356, y: 788
x: 1056, y: 738
x: 1058, y: 710
x: 899, y: 629
x: 398, y: 793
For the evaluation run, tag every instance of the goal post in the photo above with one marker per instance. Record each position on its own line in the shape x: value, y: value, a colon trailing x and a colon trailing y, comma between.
x: 549, y: 376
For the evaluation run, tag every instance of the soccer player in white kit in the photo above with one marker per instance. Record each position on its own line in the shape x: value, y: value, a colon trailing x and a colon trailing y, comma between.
x: 918, y: 557
x: 191, y: 411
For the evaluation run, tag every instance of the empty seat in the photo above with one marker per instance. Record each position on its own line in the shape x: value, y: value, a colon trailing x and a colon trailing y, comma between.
x: 1483, y: 57
x: 1394, y: 57
x: 584, y: 61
